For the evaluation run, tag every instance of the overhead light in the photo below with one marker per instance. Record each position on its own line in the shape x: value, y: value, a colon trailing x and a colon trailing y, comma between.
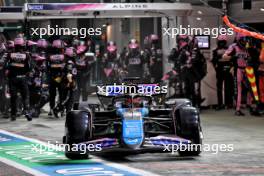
x: 262, y: 9
x: 199, y: 12
x: 198, y: 18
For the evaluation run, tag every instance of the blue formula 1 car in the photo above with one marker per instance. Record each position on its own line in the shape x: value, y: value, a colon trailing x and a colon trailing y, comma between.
x: 133, y: 123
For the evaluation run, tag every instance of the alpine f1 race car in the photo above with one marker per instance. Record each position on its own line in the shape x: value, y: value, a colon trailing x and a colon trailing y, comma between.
x: 133, y: 123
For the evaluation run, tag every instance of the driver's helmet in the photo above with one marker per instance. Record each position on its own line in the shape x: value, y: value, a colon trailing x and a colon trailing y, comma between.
x: 135, y: 101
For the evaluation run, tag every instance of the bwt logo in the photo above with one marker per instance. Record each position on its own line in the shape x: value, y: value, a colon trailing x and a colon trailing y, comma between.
x: 35, y: 7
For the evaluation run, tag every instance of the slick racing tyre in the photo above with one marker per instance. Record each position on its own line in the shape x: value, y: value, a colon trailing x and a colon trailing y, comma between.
x: 189, y: 127
x: 76, y: 156
x: 196, y: 146
x: 78, y: 130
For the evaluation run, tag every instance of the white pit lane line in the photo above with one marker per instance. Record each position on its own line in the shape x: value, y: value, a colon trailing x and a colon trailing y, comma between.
x: 92, y: 158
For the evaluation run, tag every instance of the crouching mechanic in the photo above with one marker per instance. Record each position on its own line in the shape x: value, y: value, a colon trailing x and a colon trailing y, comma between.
x: 17, y: 69
x: 68, y: 88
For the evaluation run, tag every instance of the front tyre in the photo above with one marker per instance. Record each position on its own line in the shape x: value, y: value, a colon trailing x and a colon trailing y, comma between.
x: 76, y: 156
x: 195, y: 148
x: 187, y: 122
x: 78, y: 130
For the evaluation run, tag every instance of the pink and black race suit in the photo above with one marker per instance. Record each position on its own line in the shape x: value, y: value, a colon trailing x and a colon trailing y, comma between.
x: 39, y: 70
x: 134, y: 63
x: 56, y: 64
x: 81, y: 64
x: 18, y: 64
x: 241, y: 55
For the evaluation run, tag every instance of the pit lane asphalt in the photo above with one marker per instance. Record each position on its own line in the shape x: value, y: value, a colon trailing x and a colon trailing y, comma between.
x: 221, y: 127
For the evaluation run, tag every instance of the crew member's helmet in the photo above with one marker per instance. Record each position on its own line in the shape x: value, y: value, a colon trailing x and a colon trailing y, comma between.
x: 42, y: 43
x: 133, y: 45
x: 58, y: 44
x: 81, y: 48
x: 10, y: 44
x: 154, y: 37
x: 182, y: 40
x: 241, y: 39
x: 70, y: 52
x: 111, y: 47
x: 19, y: 43
x: 221, y: 40
x: 154, y: 40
